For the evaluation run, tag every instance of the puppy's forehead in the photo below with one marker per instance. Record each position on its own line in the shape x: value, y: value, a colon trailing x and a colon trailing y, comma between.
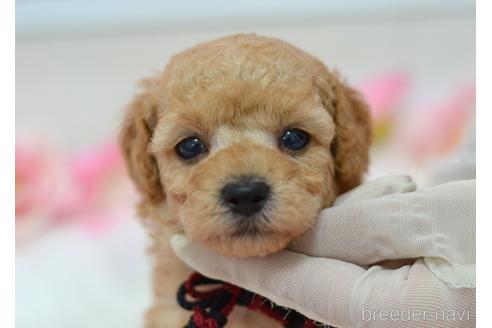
x: 270, y: 113
x: 237, y: 101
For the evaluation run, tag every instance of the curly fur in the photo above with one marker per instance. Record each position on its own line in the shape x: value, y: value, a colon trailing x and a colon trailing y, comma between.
x: 238, y: 94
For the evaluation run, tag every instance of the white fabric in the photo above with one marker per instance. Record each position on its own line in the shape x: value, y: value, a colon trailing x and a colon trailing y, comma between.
x: 437, y: 224
x: 324, y: 274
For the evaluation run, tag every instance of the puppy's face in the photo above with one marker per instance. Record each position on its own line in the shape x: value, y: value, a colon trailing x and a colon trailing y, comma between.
x: 244, y: 142
x: 245, y: 177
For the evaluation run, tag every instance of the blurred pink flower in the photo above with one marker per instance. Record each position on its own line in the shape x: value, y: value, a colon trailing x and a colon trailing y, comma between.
x: 90, y: 172
x: 385, y: 93
x: 38, y: 170
x: 89, y: 187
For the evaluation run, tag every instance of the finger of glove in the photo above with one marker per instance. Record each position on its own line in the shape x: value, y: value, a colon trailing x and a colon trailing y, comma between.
x: 385, y: 185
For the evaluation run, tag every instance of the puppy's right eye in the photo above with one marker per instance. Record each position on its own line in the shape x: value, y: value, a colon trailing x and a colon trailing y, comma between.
x: 294, y: 139
x: 190, y: 148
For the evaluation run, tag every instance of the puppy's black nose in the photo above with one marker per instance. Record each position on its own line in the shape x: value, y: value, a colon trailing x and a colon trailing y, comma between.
x: 246, y: 196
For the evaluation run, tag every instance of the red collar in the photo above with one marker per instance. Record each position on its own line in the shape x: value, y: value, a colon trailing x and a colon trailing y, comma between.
x: 212, y: 306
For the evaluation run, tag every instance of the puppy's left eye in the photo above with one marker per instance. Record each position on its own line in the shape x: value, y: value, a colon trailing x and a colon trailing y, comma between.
x: 294, y: 139
x: 190, y: 148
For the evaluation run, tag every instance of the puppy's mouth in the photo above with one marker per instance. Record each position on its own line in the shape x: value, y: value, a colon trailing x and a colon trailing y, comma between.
x: 250, y: 227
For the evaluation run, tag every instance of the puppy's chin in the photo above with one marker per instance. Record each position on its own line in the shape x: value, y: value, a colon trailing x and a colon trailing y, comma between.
x: 248, y: 244
x: 235, y: 240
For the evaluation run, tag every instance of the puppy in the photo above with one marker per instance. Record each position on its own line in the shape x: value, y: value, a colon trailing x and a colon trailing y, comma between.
x: 239, y: 144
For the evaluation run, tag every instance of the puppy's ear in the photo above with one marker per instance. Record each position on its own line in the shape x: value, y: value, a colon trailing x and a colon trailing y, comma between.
x: 135, y: 136
x: 350, y: 146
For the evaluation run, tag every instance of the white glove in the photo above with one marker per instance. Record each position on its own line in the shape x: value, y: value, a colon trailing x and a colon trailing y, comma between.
x: 316, y: 278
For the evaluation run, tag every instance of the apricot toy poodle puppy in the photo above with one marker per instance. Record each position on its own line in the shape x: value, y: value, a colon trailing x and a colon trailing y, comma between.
x: 239, y: 144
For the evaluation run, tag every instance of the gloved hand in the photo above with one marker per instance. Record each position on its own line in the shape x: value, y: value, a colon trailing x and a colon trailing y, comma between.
x: 325, y: 274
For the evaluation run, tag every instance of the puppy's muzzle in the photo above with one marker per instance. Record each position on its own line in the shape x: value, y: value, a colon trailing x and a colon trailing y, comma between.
x: 245, y: 196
